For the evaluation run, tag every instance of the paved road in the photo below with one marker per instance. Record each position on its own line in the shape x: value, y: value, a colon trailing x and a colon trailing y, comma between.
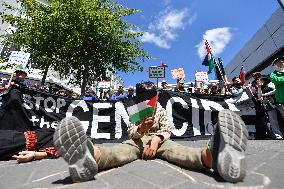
x: 265, y: 169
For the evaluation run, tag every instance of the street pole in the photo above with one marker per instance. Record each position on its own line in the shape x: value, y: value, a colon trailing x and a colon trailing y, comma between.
x: 157, y: 83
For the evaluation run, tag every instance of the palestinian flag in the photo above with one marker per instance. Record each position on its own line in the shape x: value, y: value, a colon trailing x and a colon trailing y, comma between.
x: 141, y: 107
x: 209, y: 59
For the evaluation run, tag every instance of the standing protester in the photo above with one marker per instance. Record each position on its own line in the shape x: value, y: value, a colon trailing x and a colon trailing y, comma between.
x: 165, y: 86
x: 235, y: 88
x: 75, y: 95
x: 263, y: 102
x: 11, y: 92
x: 19, y: 81
x: 150, y: 139
x: 256, y: 76
x: 180, y: 86
x: 90, y: 95
x: 1, y: 81
x: 120, y: 95
x: 108, y: 94
x: 101, y: 94
x: 130, y: 93
x: 277, y: 77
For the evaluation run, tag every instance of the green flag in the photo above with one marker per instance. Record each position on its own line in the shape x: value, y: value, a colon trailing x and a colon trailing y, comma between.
x: 209, y: 59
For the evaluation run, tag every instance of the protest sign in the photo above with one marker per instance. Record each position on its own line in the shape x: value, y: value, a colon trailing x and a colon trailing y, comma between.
x: 19, y: 57
x: 201, y: 76
x: 156, y: 72
x: 104, y: 84
x: 178, y: 73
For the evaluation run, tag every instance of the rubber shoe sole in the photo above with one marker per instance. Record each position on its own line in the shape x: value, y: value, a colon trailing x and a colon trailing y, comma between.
x: 233, y: 135
x: 73, y: 145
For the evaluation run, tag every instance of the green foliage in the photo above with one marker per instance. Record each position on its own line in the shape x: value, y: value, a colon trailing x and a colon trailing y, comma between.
x: 78, y: 37
x: 3, y: 60
x: 3, y: 64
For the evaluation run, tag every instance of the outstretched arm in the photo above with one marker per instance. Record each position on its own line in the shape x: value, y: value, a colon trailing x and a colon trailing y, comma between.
x: 27, y: 156
x: 113, y: 98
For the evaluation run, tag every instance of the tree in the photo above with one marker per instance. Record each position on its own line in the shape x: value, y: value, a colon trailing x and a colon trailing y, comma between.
x: 81, y: 38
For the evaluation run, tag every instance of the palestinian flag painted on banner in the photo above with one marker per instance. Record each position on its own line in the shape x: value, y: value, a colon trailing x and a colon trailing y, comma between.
x: 209, y: 59
x: 141, y: 107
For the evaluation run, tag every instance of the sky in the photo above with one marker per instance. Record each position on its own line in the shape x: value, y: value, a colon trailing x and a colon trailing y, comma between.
x: 174, y: 31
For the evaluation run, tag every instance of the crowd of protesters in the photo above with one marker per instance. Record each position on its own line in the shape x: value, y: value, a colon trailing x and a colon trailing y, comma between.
x: 229, y: 89
x: 267, y: 92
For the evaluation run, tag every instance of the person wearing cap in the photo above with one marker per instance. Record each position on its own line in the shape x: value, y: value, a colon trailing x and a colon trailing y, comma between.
x: 18, y: 82
x: 277, y: 77
x: 165, y: 86
x: 130, y: 93
x: 12, y: 92
x: 75, y: 95
x: 180, y: 86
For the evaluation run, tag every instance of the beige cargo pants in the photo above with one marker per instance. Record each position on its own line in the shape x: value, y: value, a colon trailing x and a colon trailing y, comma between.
x: 131, y: 150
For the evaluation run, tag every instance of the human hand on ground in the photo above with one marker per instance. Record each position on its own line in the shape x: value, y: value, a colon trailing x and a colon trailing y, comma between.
x: 151, y: 148
x: 24, y: 156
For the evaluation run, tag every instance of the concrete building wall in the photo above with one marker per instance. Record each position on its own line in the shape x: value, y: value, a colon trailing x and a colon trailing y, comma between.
x: 261, y: 49
x: 5, y: 26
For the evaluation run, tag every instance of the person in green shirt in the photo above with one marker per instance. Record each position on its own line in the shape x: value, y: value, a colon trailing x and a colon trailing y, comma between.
x: 277, y: 77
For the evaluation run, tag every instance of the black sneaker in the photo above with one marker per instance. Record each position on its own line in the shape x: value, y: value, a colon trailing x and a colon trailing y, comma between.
x: 77, y: 150
x: 228, y: 146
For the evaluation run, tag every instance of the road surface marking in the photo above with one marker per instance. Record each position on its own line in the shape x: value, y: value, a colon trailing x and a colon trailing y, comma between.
x: 48, y: 176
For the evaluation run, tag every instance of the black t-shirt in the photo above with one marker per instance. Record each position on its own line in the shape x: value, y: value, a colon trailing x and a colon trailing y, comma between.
x: 265, y: 105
